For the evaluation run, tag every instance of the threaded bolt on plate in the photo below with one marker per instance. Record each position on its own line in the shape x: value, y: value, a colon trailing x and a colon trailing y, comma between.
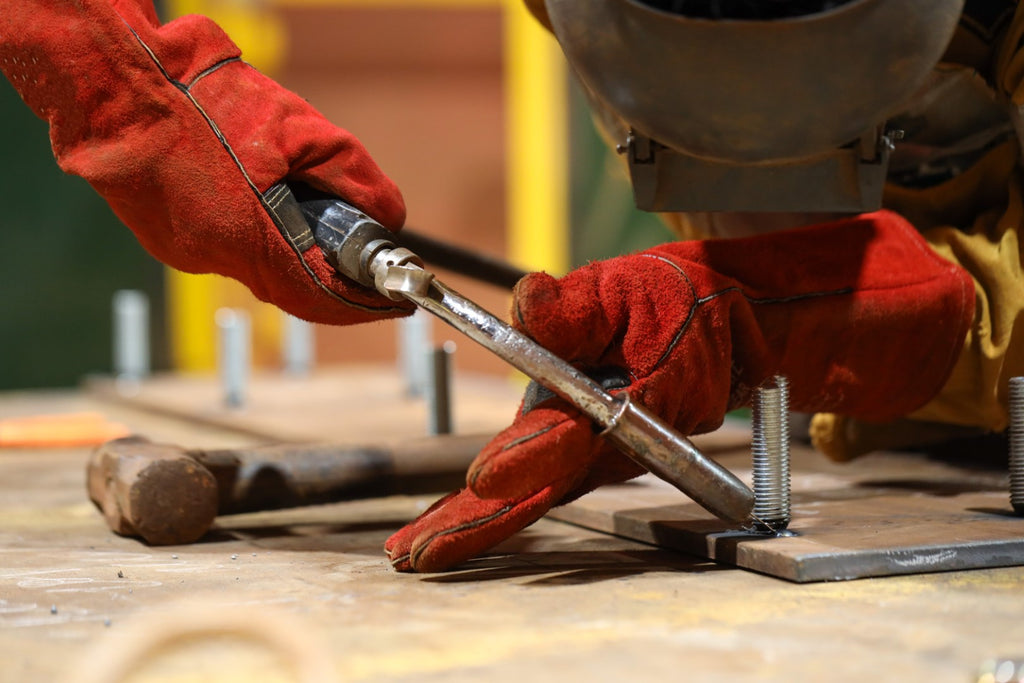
x: 1017, y: 444
x: 770, y: 451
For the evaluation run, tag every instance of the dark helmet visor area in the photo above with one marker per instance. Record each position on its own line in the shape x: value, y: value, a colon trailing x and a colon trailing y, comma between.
x: 756, y: 10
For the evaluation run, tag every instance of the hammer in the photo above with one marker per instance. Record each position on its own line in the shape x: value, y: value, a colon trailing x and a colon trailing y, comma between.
x: 169, y: 495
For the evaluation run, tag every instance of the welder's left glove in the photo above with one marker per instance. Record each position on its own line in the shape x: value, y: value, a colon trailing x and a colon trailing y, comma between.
x: 193, y: 148
x: 861, y: 316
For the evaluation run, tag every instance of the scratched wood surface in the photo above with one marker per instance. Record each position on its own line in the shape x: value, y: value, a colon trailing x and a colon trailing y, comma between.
x: 881, y: 515
x: 273, y: 595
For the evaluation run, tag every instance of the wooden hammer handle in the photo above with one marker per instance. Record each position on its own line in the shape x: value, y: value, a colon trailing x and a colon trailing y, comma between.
x: 280, y: 476
x: 168, y: 495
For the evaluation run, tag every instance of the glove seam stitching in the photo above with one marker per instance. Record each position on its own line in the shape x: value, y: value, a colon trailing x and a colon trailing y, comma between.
x: 842, y: 291
x: 209, y: 70
x: 524, y: 439
x: 415, y: 554
x: 689, y: 316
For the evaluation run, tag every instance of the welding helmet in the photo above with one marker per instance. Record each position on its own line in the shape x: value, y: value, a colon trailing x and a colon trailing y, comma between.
x: 744, y: 89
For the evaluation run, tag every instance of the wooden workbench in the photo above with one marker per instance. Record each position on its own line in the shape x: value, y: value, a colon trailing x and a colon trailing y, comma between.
x: 554, y: 603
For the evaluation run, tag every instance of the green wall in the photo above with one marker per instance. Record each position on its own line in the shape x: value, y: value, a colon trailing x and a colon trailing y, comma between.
x: 63, y: 254
x: 605, y: 221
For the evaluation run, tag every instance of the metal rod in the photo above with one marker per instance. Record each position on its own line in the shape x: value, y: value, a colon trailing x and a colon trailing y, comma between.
x: 636, y: 431
x: 131, y: 335
x: 414, y: 352
x: 234, y: 354
x: 1017, y: 444
x: 439, y: 402
x: 298, y: 349
x: 770, y: 451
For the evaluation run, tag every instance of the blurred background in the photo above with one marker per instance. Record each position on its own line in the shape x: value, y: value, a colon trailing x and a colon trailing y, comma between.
x: 466, y: 104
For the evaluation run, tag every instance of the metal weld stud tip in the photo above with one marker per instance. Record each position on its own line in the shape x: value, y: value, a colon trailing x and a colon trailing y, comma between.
x: 770, y: 453
x: 1017, y: 444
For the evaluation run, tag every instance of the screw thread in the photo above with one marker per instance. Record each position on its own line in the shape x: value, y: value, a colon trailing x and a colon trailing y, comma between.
x: 1017, y: 444
x: 770, y: 450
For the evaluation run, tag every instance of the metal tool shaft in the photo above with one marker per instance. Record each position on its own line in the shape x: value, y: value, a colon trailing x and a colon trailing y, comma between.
x: 362, y: 251
x: 635, y: 430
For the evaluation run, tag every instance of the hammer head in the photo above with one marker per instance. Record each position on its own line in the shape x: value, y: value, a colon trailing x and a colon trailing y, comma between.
x: 153, y: 491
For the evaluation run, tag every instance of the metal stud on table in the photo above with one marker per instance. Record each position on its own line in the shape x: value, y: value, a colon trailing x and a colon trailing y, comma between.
x: 439, y: 397
x: 131, y: 336
x: 298, y: 348
x: 414, y: 352
x: 770, y: 451
x: 1017, y: 444
x: 235, y: 353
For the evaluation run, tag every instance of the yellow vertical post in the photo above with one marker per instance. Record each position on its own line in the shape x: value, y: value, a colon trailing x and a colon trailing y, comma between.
x: 190, y: 304
x: 193, y: 299
x: 536, y: 144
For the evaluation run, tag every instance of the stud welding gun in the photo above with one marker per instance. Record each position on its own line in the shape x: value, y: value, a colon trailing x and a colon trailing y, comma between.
x: 363, y: 250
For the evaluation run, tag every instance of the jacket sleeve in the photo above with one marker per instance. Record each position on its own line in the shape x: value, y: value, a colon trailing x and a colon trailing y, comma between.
x: 975, y: 220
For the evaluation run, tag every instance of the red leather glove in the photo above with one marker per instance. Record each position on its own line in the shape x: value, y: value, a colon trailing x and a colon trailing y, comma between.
x: 191, y: 146
x: 861, y: 316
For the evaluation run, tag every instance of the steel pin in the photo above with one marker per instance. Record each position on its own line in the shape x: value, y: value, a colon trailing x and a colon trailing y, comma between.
x: 439, y: 397
x: 1017, y: 444
x: 298, y: 347
x: 414, y: 352
x: 234, y: 355
x: 131, y: 337
x: 770, y: 451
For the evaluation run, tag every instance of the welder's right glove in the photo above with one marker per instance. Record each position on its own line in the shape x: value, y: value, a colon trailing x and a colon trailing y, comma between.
x: 861, y: 316
x: 194, y: 149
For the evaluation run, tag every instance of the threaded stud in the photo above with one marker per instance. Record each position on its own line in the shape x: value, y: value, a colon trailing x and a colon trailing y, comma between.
x: 770, y: 451
x: 1017, y: 444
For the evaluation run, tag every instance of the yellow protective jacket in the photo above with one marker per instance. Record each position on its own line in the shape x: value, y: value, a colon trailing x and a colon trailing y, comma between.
x: 974, y: 219
x: 971, y: 216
